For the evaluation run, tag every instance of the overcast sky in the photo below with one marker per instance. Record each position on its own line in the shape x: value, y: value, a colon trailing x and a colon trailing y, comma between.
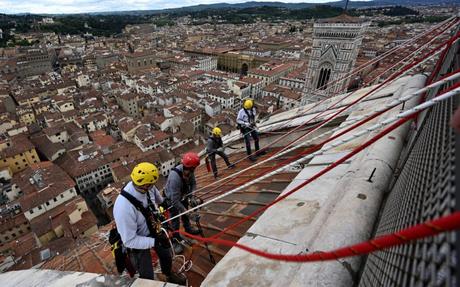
x: 78, y: 6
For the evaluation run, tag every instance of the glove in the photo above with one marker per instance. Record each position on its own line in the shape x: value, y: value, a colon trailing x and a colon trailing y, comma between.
x: 248, y: 125
x: 162, y: 240
x: 166, y: 203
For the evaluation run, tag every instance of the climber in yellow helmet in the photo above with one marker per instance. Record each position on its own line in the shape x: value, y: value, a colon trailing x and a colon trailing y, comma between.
x: 246, y: 121
x: 216, y: 146
x: 137, y: 219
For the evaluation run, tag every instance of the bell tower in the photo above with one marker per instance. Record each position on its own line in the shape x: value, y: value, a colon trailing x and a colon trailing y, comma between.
x: 336, y: 42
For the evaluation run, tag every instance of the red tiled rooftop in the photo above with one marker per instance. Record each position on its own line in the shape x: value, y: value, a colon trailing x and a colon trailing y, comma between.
x: 101, y: 139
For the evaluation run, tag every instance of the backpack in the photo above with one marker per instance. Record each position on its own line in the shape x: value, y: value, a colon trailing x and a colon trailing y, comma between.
x: 119, y: 252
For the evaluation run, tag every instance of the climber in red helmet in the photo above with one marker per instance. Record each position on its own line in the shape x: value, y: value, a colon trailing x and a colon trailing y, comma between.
x: 180, y: 184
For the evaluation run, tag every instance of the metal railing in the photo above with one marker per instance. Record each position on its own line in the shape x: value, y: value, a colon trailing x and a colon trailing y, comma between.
x: 424, y: 188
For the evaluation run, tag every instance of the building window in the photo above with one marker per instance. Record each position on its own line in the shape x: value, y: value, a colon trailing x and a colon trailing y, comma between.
x: 47, y: 203
x: 31, y: 211
x: 39, y: 207
x: 55, y: 199
x: 62, y: 195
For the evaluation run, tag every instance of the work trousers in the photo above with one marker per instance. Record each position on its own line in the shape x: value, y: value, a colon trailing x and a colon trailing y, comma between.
x: 175, y: 223
x: 142, y: 261
x: 248, y: 133
x: 212, y: 158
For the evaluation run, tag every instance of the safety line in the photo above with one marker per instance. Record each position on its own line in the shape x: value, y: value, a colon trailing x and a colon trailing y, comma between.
x: 403, y: 45
x: 439, y: 64
x: 427, y: 229
x: 446, y: 23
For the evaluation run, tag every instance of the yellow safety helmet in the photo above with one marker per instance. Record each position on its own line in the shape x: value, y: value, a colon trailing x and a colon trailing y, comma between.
x: 144, y: 173
x: 248, y: 104
x: 216, y: 132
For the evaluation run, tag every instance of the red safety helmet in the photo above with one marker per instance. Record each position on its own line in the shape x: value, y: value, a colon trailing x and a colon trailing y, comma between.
x: 190, y: 160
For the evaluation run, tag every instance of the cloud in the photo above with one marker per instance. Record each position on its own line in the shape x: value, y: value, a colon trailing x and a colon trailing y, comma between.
x: 80, y: 6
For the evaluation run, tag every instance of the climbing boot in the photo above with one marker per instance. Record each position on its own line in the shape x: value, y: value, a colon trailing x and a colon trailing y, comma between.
x: 177, y: 278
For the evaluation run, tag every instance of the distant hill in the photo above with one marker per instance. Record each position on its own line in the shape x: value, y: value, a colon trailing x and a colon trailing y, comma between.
x: 292, y: 6
x: 253, y: 4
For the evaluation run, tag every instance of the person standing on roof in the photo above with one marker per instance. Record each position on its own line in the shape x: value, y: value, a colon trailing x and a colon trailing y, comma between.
x: 246, y: 121
x: 135, y: 212
x: 216, y: 146
x: 179, y: 186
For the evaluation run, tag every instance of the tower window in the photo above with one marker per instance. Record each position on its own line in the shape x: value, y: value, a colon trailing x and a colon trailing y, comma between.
x: 323, y: 79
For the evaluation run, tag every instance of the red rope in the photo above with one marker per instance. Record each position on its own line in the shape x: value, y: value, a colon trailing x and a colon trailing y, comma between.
x: 419, y: 231
x: 327, y: 169
x: 416, y: 232
x: 426, y: 229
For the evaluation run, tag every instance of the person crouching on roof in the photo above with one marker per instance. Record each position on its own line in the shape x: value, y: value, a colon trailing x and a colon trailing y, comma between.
x: 134, y: 212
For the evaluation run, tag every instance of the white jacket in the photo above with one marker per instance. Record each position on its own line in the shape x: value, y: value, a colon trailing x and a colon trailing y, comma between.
x: 131, y: 224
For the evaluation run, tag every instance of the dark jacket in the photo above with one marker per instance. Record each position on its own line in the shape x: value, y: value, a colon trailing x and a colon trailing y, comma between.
x: 176, y: 187
x: 214, y: 143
